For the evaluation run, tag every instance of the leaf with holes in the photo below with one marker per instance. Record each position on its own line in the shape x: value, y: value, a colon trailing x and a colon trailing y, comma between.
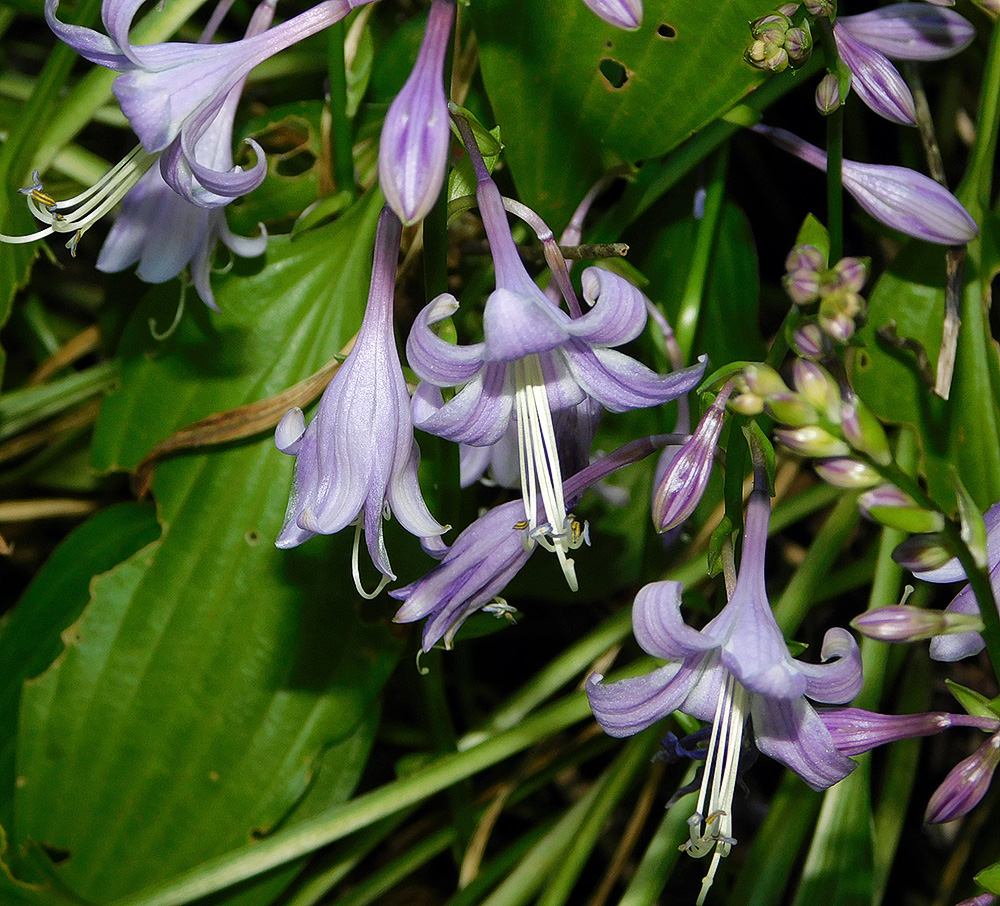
x: 210, y: 675
x: 574, y: 94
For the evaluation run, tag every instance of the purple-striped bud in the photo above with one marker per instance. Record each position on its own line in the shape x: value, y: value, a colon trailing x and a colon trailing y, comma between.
x: 805, y: 257
x: 810, y: 342
x: 790, y: 409
x: 828, y: 94
x: 864, y: 431
x: 875, y: 80
x: 811, y: 441
x: 856, y: 731
x: 900, y: 198
x: 911, y: 31
x: 802, y: 285
x: 788, y: 9
x: 762, y: 380
x: 904, y: 623
x: 965, y: 785
x: 685, y: 479
x: 847, y: 275
x: 799, y: 43
x: 837, y: 325
x: 922, y: 552
x: 821, y: 9
x: 624, y: 14
x: 817, y: 385
x: 889, y: 506
x: 983, y: 899
x: 413, y: 151
x: 844, y: 472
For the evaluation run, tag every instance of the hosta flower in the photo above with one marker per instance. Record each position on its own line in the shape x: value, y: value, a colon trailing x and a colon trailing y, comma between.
x: 902, y: 31
x: 625, y: 14
x: 959, y: 645
x: 534, y: 360
x: 413, y: 151
x: 490, y: 552
x: 966, y: 784
x: 171, y: 93
x: 165, y: 232
x: 737, y: 667
x: 357, y: 460
x: 899, y: 197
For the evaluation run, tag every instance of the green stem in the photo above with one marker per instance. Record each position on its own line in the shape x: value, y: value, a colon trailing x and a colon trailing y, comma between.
x: 976, y: 187
x: 701, y: 259
x: 341, y: 130
x: 834, y: 149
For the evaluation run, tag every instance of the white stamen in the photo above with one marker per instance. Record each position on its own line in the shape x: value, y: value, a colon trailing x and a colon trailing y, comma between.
x: 540, y: 472
x: 76, y: 215
x: 718, y: 785
x: 357, y: 572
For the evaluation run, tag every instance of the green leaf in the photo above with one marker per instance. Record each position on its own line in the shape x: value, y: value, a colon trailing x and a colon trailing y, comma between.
x: 813, y: 233
x: 989, y: 878
x: 975, y: 703
x: 214, y: 687
x: 552, y: 79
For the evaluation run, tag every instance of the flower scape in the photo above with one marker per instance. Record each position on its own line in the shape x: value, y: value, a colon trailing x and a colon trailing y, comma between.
x: 547, y: 445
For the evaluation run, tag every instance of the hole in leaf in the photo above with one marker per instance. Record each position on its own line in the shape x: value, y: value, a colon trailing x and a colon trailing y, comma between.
x: 667, y: 32
x: 301, y: 161
x: 609, y: 44
x: 56, y: 854
x: 614, y: 73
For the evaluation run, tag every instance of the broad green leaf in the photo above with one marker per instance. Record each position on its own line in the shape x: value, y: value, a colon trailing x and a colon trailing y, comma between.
x: 212, y: 682
x: 989, y: 878
x: 575, y: 94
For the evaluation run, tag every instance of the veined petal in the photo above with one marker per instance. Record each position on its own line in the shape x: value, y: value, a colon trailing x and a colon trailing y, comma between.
x: 90, y: 44
x: 477, y: 414
x: 304, y: 484
x: 658, y: 627
x: 960, y: 645
x: 434, y: 360
x: 618, y: 314
x: 517, y: 323
x: 620, y: 383
x: 911, y: 31
x: 793, y: 733
x: 953, y: 571
x: 876, y: 81
x: 407, y: 503
x: 838, y: 679
x: 625, y: 707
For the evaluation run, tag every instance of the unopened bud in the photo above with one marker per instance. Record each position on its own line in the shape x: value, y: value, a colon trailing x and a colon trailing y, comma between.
x: 806, y: 257
x: 836, y: 325
x: 685, y: 479
x: 757, y: 53
x: 889, y: 506
x: 828, y: 94
x: 811, y: 441
x: 844, y: 472
x: 904, y: 623
x: 763, y: 380
x: 802, y: 286
x: 851, y: 274
x: 798, y: 44
x: 864, y: 431
x: 771, y: 27
x: 821, y: 9
x: 810, y: 342
x: 747, y: 404
x: 965, y: 785
x: 790, y: 409
x: 788, y: 9
x: 922, y: 552
x: 778, y: 61
x: 817, y: 385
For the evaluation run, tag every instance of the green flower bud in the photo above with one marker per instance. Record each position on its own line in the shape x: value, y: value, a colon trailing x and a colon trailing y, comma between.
x: 921, y: 553
x: 905, y: 623
x: 844, y: 472
x: 864, y: 431
x: 790, y: 409
x: 799, y: 44
x: 828, y: 94
x: 810, y: 342
x: 812, y: 441
x: 890, y: 506
x: 763, y: 380
x: 747, y: 404
x: 817, y: 385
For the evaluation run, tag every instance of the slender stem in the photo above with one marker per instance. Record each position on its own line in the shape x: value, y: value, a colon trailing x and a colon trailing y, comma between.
x: 834, y: 150
x: 341, y: 129
x: 701, y: 259
x: 978, y: 182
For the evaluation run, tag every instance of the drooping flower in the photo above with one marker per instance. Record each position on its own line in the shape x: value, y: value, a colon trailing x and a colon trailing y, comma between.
x: 901, y: 31
x: 966, y: 784
x: 413, y: 152
x: 737, y: 667
x: 491, y: 551
x: 624, y: 14
x: 534, y: 360
x: 856, y: 731
x: 357, y: 460
x: 960, y: 645
x: 899, y: 197
x: 171, y: 94
x: 163, y: 231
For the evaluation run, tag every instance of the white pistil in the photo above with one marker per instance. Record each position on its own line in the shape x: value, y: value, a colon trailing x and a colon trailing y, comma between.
x: 76, y: 215
x: 540, y: 472
x: 711, y: 825
x: 355, y: 570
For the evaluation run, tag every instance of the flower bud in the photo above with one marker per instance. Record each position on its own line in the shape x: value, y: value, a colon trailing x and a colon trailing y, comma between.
x: 821, y: 9
x: 890, y: 506
x: 811, y: 441
x: 777, y: 61
x: 798, y: 44
x: 685, y: 479
x: 904, y: 623
x: 747, y: 404
x: 838, y: 326
x: 965, y: 785
x: 844, y: 472
x: 810, y: 342
x: 788, y: 9
x: 802, y: 286
x: 806, y: 257
x: 763, y: 380
x: 855, y: 731
x: 817, y: 385
x: 922, y: 552
x: 828, y: 94
x: 864, y: 431
x: 413, y: 151
x: 790, y: 409
x: 771, y: 28
x: 851, y: 274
